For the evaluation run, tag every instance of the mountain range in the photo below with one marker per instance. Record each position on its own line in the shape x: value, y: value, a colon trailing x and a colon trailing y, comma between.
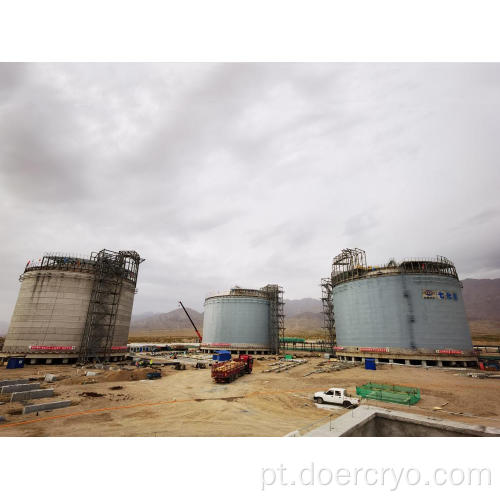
x: 481, y: 297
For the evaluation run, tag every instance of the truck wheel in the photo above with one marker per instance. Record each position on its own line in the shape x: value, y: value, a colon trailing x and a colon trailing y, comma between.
x: 319, y: 400
x: 346, y: 404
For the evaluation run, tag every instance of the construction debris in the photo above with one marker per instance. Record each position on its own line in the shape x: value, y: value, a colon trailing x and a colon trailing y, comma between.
x: 282, y: 366
x: 328, y: 367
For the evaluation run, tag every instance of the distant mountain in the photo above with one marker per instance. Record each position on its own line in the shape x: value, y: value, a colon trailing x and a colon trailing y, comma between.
x: 173, y: 320
x: 304, y: 322
x: 482, y: 299
x: 299, y: 306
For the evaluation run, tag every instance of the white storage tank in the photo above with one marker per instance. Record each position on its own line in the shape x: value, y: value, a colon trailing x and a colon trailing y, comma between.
x: 72, y: 307
x: 244, y: 320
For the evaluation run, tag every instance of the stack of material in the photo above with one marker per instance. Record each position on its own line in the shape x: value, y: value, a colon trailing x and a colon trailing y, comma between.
x: 285, y: 365
x: 228, y: 366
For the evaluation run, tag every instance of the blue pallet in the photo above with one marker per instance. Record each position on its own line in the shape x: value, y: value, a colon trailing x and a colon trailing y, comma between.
x: 222, y: 356
x: 15, y: 363
x: 370, y: 364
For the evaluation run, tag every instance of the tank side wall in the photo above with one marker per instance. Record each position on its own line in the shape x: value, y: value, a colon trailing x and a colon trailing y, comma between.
x: 125, y: 306
x: 369, y: 313
x: 51, y: 309
x: 440, y: 323
x: 375, y: 312
x: 242, y: 320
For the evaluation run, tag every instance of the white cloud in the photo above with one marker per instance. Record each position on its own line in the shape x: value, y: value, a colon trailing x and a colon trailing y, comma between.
x: 248, y: 173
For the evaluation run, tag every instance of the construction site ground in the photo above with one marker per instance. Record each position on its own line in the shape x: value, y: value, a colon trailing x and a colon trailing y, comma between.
x: 122, y: 402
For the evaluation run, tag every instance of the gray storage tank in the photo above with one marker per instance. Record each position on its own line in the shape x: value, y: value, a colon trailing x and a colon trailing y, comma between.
x: 412, y: 310
x: 72, y: 307
x: 244, y: 320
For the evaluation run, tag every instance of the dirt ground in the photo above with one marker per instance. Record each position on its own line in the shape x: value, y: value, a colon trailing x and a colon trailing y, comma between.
x: 188, y: 403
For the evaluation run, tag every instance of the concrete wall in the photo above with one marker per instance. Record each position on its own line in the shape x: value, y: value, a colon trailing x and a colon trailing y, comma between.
x: 8, y: 389
x: 13, y: 382
x: 374, y: 312
x: 45, y: 406
x: 51, y: 309
x: 236, y: 320
x: 390, y: 426
x: 124, y: 315
x: 36, y: 394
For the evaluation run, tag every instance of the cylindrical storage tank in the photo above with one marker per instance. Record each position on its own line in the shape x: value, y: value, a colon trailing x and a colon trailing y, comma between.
x: 51, y: 310
x: 414, y: 306
x: 393, y: 311
x: 68, y: 305
x: 124, y: 315
x: 239, y: 320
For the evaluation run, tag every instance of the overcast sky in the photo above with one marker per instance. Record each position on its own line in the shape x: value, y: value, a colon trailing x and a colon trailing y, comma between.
x: 247, y: 174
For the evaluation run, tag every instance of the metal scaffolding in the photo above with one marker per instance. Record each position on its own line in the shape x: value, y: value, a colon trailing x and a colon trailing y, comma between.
x: 276, y: 315
x: 349, y: 264
x: 328, y: 314
x: 111, y: 269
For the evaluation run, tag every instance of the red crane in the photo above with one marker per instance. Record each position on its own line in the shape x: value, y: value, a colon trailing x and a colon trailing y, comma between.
x: 189, y: 317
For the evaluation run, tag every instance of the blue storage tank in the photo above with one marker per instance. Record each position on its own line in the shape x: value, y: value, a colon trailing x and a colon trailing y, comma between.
x: 239, y: 318
x: 414, y: 305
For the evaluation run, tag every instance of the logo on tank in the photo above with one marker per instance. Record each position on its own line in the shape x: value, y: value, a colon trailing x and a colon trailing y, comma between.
x: 439, y: 295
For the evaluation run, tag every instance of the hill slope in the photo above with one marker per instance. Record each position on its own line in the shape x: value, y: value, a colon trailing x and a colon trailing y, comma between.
x: 173, y: 320
x: 482, y: 299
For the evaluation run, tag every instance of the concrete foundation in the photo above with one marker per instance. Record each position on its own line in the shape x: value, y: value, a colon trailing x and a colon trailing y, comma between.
x: 237, y: 350
x: 372, y: 421
x: 45, y: 406
x: 36, y: 394
x: 13, y: 382
x: 8, y: 389
x: 410, y: 358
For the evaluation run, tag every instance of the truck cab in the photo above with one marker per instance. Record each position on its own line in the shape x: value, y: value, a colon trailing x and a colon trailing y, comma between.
x: 336, y: 395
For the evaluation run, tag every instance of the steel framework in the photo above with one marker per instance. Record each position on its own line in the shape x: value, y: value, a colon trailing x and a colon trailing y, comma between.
x: 111, y: 269
x: 328, y: 313
x: 276, y: 315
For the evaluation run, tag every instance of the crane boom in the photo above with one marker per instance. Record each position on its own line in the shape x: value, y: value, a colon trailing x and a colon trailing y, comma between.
x: 189, y: 317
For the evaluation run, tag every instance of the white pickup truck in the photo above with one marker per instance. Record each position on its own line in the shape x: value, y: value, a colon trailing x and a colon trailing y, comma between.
x: 338, y: 396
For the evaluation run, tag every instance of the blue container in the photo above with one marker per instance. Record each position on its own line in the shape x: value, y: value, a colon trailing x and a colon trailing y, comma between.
x: 370, y: 364
x: 222, y: 356
x: 15, y: 363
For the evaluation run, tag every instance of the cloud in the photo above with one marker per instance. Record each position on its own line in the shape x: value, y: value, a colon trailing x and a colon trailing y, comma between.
x: 248, y: 173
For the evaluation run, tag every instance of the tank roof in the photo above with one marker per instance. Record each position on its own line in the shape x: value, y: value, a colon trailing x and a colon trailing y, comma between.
x: 124, y: 263
x: 351, y: 264
x: 241, y: 292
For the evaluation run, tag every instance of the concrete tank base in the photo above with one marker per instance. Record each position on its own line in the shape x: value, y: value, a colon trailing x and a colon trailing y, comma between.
x: 49, y: 359
x: 410, y: 358
x: 236, y: 349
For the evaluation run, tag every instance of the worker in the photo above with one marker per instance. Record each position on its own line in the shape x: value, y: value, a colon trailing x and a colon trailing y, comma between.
x: 150, y: 362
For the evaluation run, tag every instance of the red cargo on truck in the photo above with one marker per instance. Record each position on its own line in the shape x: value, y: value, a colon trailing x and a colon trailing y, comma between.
x: 227, y: 371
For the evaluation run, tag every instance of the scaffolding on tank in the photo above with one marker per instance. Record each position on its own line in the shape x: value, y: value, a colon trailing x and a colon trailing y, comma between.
x: 349, y: 264
x: 328, y: 313
x: 111, y: 269
x: 276, y: 315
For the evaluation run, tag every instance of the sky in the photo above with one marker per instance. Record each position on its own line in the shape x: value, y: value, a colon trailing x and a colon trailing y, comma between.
x: 248, y: 174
